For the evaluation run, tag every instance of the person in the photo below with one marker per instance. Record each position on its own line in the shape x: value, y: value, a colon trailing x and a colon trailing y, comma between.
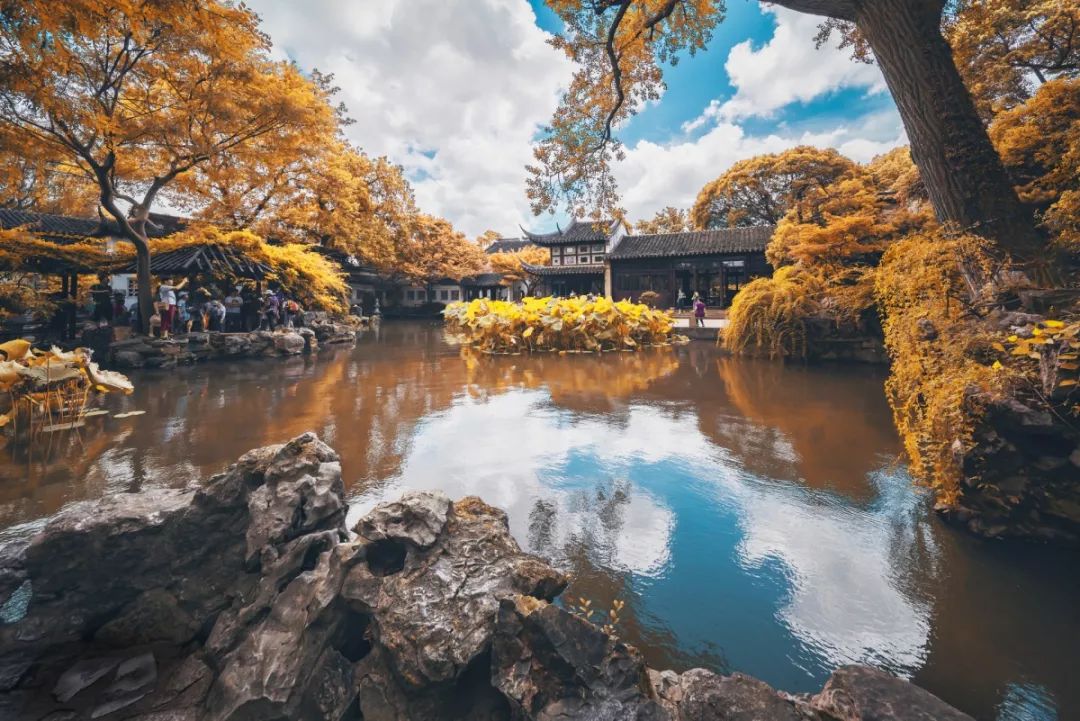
x: 167, y: 298
x: 699, y: 311
x: 290, y: 311
x: 216, y: 314
x: 270, y: 311
x: 250, y: 309
x: 101, y: 297
x: 680, y: 301
x: 233, y: 307
x: 183, y: 313
x: 155, y: 321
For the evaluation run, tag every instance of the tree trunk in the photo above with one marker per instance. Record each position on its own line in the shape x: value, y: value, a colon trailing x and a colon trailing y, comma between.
x: 964, y: 176
x: 146, y: 293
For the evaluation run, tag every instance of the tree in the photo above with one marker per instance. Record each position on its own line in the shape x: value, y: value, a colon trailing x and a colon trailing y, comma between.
x: 1039, y: 141
x: 512, y: 265
x: 762, y: 189
x: 434, y: 250
x: 619, y: 46
x: 1006, y: 49
x: 486, y: 238
x: 137, y: 94
x: 668, y: 220
x: 33, y: 177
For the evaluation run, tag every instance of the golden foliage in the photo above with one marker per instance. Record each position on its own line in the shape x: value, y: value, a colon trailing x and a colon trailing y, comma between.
x: 763, y: 189
x: 21, y: 250
x: 769, y: 314
x: 510, y: 265
x: 1039, y: 142
x: 578, y: 324
x: 668, y: 220
x: 1005, y: 49
x: 434, y: 250
x: 941, y: 378
x: 618, y: 50
x: 305, y: 274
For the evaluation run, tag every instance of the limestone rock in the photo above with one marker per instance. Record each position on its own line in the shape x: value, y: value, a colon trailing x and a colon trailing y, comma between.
x: 553, y: 665
x: 432, y: 578
x: 858, y: 693
x: 288, y: 343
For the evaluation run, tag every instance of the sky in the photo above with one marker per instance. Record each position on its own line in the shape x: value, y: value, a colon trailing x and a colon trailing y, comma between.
x: 456, y: 92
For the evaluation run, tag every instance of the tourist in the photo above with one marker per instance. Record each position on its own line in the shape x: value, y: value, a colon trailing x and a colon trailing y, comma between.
x: 101, y: 296
x: 155, y: 321
x: 234, y: 305
x: 215, y: 312
x: 250, y: 309
x: 271, y: 311
x: 699, y: 311
x: 183, y: 312
x: 680, y: 301
x: 167, y: 298
x: 290, y: 311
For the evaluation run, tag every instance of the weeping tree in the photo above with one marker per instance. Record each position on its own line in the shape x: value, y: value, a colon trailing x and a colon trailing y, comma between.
x: 620, y: 45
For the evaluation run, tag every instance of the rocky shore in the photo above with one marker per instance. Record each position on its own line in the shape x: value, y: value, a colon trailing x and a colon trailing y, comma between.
x: 146, y: 352
x: 247, y: 598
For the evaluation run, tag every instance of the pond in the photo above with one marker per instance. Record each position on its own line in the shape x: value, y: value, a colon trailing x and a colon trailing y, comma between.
x: 753, y: 517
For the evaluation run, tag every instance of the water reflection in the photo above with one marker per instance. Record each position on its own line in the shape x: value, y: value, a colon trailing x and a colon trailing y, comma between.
x: 753, y: 517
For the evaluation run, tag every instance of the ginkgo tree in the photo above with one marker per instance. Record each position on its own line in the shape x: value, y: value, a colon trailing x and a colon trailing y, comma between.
x: 512, y: 266
x: 762, y: 189
x: 620, y: 46
x: 666, y: 220
x: 137, y: 94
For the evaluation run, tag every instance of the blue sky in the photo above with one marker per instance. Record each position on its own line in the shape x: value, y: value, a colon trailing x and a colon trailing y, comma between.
x: 457, y: 90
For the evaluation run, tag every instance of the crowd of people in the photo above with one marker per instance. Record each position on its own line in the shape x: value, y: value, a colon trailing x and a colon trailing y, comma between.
x: 177, y: 310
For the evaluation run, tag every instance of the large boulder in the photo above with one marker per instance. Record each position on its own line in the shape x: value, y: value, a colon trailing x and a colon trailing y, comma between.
x: 858, y: 693
x: 433, y: 577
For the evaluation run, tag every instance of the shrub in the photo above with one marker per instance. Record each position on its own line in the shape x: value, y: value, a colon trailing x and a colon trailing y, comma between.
x: 649, y: 298
x: 559, y: 324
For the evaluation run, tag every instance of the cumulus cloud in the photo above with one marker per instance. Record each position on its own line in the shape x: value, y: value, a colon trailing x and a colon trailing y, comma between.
x: 787, y: 69
x: 655, y: 175
x: 454, y: 90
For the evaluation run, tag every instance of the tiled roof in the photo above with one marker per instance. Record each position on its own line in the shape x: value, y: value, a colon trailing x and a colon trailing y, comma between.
x: 483, y: 279
x: 697, y: 242
x: 66, y: 227
x: 210, y: 258
x: 580, y: 231
x: 508, y: 245
x: 554, y: 270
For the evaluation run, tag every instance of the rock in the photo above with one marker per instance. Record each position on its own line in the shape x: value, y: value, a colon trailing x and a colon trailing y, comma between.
x: 858, y: 693
x: 288, y: 343
x: 553, y: 665
x: 431, y: 581
x: 416, y: 518
x: 84, y: 673
x: 700, y: 695
x: 245, y: 598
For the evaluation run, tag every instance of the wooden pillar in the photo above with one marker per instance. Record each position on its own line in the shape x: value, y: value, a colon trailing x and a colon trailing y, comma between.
x: 74, y: 307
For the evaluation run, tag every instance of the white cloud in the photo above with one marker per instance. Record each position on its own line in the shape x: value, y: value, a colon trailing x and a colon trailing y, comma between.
x: 454, y: 90
x: 655, y: 175
x: 788, y: 69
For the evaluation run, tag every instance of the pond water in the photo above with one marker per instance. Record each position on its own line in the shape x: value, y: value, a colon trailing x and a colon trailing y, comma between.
x: 753, y: 517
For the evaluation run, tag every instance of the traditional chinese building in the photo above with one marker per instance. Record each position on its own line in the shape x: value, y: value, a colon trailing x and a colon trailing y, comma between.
x: 601, y: 257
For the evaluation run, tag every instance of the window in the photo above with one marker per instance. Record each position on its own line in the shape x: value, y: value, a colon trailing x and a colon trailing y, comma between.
x: 570, y: 260
x: 583, y: 249
x: 455, y: 295
x: 598, y: 259
x: 444, y: 295
x: 598, y: 248
x: 556, y: 261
